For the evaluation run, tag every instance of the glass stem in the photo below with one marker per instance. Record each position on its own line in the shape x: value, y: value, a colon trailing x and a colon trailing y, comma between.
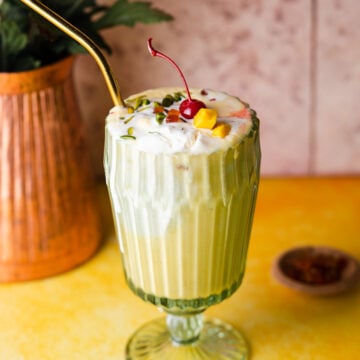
x: 184, y: 329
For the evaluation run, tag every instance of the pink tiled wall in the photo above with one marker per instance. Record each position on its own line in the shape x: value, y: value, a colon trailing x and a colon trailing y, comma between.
x: 297, y: 62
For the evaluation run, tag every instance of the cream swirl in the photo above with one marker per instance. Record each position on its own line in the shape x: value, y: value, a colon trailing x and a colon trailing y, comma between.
x: 143, y: 131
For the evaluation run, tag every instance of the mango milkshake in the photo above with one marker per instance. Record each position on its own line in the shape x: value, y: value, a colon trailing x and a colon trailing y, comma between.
x: 183, y: 193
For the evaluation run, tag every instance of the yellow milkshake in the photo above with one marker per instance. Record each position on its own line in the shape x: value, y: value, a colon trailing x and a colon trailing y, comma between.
x: 182, y: 196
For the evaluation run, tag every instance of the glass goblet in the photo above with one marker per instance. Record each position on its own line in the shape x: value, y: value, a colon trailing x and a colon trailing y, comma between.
x: 183, y: 222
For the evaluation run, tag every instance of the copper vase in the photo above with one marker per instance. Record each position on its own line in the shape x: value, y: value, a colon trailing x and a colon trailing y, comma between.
x: 49, y: 219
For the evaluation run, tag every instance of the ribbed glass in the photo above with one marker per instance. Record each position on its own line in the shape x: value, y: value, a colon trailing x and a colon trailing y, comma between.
x: 183, y: 221
x: 217, y: 341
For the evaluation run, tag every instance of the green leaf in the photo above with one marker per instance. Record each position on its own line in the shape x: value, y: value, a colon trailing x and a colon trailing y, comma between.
x: 12, y: 10
x: 125, y: 13
x: 28, y: 41
x: 12, y: 41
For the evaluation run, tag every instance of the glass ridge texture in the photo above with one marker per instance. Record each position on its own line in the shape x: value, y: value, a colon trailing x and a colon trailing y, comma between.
x: 183, y: 221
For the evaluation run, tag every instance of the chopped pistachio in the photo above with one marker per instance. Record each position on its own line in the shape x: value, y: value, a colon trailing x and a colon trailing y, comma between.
x: 130, y: 131
x: 128, y: 137
x: 154, y: 132
x: 138, y: 102
x: 160, y: 117
x: 137, y: 99
x: 178, y: 96
x: 168, y: 100
x: 143, y: 108
x: 129, y: 119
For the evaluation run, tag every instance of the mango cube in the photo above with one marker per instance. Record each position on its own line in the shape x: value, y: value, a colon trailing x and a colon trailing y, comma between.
x: 221, y: 130
x: 205, y: 118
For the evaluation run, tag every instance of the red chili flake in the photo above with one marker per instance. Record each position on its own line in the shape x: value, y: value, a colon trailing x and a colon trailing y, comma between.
x: 212, y: 99
x: 173, y: 116
x: 203, y: 92
x: 243, y: 113
x: 174, y: 112
x: 158, y: 109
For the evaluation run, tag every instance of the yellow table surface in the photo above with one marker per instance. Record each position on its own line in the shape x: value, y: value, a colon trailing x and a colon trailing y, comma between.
x: 89, y: 313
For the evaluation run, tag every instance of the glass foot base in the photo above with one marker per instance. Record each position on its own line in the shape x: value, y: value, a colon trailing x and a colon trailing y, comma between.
x: 218, y: 340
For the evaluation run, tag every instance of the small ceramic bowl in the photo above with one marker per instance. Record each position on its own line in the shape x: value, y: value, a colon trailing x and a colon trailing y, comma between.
x: 317, y: 270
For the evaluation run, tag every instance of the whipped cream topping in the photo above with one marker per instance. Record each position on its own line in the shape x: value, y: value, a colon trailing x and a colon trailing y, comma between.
x: 144, y: 132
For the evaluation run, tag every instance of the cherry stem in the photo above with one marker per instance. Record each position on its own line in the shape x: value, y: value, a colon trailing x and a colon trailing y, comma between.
x: 154, y: 52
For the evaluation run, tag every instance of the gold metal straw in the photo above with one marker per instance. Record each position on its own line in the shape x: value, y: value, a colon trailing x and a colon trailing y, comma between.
x: 84, y: 41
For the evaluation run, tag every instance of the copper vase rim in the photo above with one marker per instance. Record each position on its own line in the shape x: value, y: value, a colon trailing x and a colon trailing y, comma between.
x: 36, y: 79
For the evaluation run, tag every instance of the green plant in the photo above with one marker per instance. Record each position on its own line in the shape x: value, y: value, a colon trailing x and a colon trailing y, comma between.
x: 27, y: 41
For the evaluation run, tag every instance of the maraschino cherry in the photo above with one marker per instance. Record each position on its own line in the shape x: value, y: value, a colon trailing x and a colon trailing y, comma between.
x: 188, y: 107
